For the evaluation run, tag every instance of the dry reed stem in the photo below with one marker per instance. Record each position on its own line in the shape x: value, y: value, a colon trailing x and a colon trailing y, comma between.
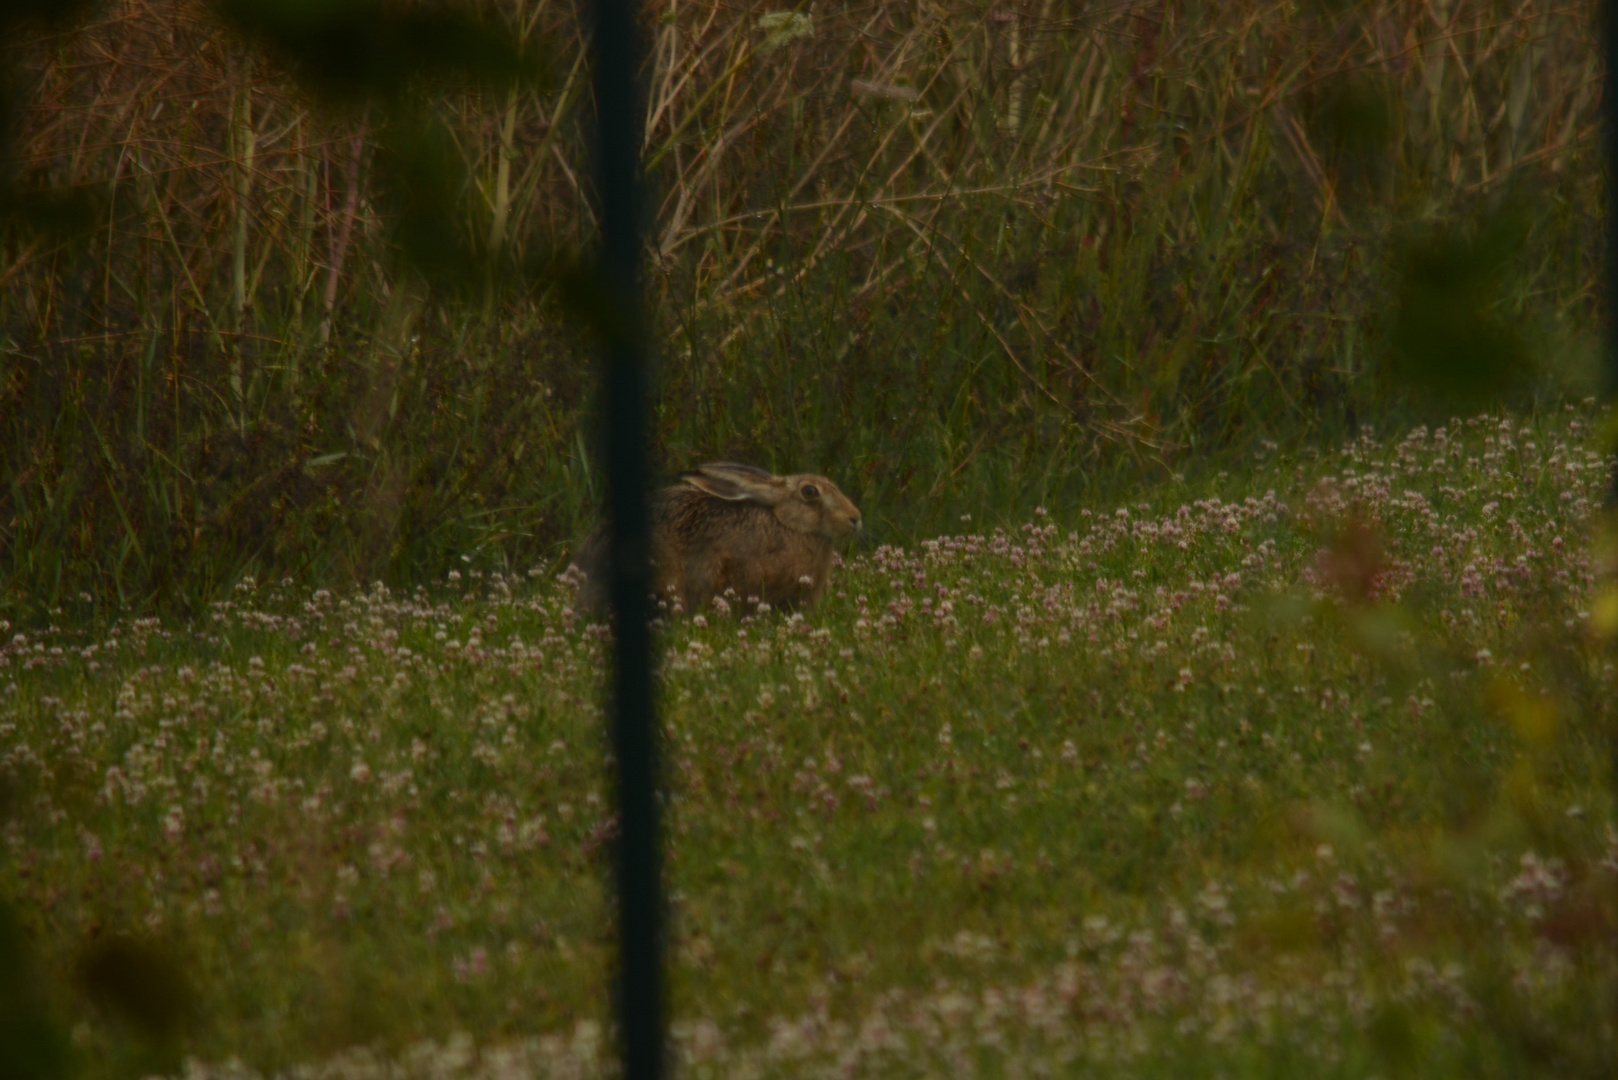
x: 238, y: 207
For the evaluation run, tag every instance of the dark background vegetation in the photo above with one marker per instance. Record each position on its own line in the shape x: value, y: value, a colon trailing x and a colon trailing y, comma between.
x: 960, y: 257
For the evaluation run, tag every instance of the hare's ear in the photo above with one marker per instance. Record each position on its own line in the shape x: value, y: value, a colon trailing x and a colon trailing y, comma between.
x: 736, y: 483
x: 717, y: 486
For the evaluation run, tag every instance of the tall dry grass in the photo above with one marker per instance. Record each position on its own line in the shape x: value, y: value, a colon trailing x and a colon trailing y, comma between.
x: 955, y: 255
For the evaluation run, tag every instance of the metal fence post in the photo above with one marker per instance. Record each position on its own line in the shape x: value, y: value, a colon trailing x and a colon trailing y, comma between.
x: 1609, y: 116
x: 616, y: 59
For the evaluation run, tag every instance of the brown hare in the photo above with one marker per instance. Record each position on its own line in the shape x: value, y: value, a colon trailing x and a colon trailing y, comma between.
x: 738, y: 530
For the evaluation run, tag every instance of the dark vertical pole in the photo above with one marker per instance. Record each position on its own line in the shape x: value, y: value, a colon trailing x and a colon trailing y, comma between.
x: 1609, y: 125
x: 616, y: 57
x: 1609, y: 116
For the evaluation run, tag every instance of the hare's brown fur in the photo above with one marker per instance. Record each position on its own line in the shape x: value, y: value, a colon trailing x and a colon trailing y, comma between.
x: 736, y: 529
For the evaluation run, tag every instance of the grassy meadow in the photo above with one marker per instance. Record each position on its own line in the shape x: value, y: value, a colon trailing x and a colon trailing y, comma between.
x: 1303, y: 767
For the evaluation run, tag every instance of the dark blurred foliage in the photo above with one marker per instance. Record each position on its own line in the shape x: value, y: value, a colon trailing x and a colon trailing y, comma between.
x: 368, y: 51
x: 26, y: 204
x: 418, y: 178
x: 142, y: 989
x: 33, y: 1045
x: 370, y: 55
x: 136, y: 982
x: 1452, y: 344
x: 1350, y: 117
x: 16, y: 15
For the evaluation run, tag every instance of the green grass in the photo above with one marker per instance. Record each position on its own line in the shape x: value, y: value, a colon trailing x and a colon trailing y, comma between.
x: 1301, y: 768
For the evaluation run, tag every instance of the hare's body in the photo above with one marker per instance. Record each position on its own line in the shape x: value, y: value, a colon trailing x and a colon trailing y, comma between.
x: 734, y: 529
x: 704, y: 546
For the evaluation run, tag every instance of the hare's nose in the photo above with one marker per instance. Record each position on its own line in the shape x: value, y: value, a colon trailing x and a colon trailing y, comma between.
x: 858, y: 523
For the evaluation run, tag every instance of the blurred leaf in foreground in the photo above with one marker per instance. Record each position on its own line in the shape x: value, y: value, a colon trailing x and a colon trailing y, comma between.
x: 347, y: 50
x: 1604, y: 613
x: 1451, y: 345
x: 419, y: 178
x: 1532, y: 714
x: 48, y: 212
x: 138, y: 983
x: 1351, y: 118
x: 51, y: 13
x: 31, y: 1046
x: 1393, y: 1036
x: 26, y: 204
x: 371, y: 53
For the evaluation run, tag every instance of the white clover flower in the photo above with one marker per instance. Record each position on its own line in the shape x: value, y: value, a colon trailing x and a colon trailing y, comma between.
x: 174, y: 823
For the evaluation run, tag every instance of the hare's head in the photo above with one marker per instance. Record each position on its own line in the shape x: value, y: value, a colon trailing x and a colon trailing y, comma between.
x: 804, y: 503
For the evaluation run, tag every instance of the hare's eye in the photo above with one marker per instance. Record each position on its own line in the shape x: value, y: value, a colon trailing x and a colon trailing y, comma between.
x: 809, y: 491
